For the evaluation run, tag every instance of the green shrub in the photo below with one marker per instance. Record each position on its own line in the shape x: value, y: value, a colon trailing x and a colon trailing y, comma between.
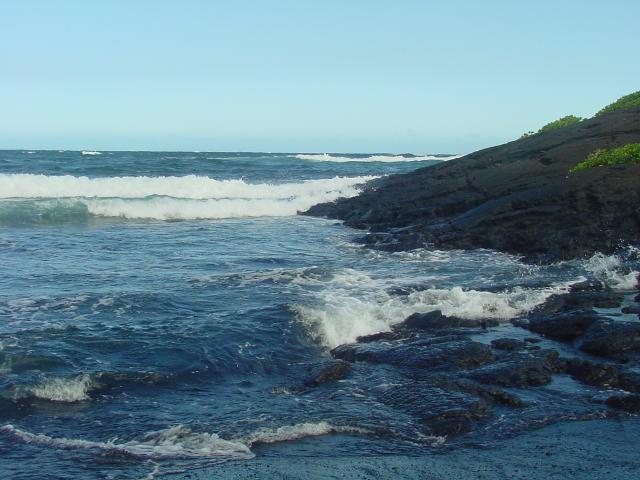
x: 616, y: 156
x: 628, y: 101
x: 560, y: 123
x: 527, y: 134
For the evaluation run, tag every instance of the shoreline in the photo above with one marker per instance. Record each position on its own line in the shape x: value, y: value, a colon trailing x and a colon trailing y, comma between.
x: 585, y: 450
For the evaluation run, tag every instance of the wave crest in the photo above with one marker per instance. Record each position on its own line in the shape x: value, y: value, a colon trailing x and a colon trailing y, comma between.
x: 43, y: 198
x: 326, y: 157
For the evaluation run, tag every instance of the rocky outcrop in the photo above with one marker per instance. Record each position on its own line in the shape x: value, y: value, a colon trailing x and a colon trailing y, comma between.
x: 516, y: 197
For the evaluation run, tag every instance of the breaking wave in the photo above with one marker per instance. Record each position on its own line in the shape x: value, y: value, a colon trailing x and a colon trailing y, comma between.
x: 353, y: 304
x: 611, y: 271
x: 326, y: 157
x: 74, y: 389
x: 43, y: 198
x: 181, y: 442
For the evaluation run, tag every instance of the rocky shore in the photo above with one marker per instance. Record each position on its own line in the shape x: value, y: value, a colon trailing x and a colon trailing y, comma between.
x: 518, y: 197
x: 577, y: 356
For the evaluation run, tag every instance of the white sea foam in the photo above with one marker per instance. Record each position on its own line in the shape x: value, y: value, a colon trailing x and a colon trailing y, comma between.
x: 182, y: 442
x: 57, y: 389
x: 90, y: 152
x: 167, y: 198
x: 325, y: 157
x: 609, y: 269
x: 353, y: 304
x: 175, y: 442
x: 294, y: 432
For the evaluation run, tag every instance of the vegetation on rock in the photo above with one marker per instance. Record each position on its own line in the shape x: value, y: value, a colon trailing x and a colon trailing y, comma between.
x: 560, y: 123
x: 615, y: 156
x: 628, y: 101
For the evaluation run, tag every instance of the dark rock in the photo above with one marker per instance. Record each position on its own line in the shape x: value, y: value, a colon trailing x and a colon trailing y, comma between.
x: 436, y: 320
x: 608, y: 338
x: 587, y: 286
x: 509, y: 344
x: 532, y: 340
x: 597, y: 374
x: 490, y: 394
x: 628, y: 403
x: 505, y: 198
x: 444, y: 412
x: 630, y: 381
x: 519, y: 370
x: 438, y: 353
x: 563, y: 326
x: 383, y: 336
x: 637, y: 298
x: 631, y: 309
x: 336, y: 370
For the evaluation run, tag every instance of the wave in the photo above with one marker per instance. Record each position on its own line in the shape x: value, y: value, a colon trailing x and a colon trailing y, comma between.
x: 353, y: 304
x: 181, y: 442
x: 326, y: 157
x: 90, y: 152
x: 611, y: 271
x: 78, y: 388
x: 74, y: 389
x: 43, y: 198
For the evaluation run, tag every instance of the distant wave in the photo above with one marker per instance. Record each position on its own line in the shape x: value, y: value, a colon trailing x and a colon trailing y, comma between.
x: 36, y: 198
x: 326, y: 157
x: 90, y: 152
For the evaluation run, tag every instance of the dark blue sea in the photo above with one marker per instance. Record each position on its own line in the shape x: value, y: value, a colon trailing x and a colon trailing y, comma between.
x: 160, y: 312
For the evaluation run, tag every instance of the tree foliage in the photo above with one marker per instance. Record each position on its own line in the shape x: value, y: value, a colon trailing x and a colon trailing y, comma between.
x: 628, y: 101
x: 615, y: 156
x: 560, y: 123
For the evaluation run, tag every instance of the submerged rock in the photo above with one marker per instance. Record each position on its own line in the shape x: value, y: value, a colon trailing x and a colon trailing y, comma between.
x: 436, y: 353
x: 336, y: 370
x: 519, y: 369
x: 444, y: 412
x: 509, y: 344
x: 628, y: 403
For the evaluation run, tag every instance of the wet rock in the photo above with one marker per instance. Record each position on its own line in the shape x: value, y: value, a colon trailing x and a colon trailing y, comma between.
x: 384, y: 336
x: 509, y: 344
x: 519, y: 370
x: 587, y: 286
x: 563, y: 326
x: 444, y: 412
x: 532, y: 340
x: 628, y: 403
x: 436, y: 353
x: 335, y: 370
x: 597, y: 374
x: 608, y: 338
x: 436, y: 320
x: 490, y: 394
x: 632, y: 309
x: 630, y: 381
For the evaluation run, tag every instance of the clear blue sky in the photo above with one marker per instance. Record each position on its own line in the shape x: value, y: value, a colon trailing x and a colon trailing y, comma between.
x: 306, y: 75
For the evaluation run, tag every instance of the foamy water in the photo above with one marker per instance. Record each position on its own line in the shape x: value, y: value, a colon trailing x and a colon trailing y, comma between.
x: 166, y: 198
x: 326, y: 157
x: 131, y: 345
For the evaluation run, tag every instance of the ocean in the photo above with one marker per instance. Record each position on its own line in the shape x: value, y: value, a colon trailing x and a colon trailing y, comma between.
x: 160, y: 312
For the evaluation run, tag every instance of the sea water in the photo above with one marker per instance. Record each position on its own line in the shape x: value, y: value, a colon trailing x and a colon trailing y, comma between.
x: 159, y: 312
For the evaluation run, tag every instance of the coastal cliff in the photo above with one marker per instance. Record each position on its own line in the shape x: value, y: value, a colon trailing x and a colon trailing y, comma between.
x: 518, y: 197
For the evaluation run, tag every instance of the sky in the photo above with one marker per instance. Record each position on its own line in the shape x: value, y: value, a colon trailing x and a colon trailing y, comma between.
x: 394, y: 76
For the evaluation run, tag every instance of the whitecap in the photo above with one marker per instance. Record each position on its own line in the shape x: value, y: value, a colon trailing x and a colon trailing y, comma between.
x: 326, y: 157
